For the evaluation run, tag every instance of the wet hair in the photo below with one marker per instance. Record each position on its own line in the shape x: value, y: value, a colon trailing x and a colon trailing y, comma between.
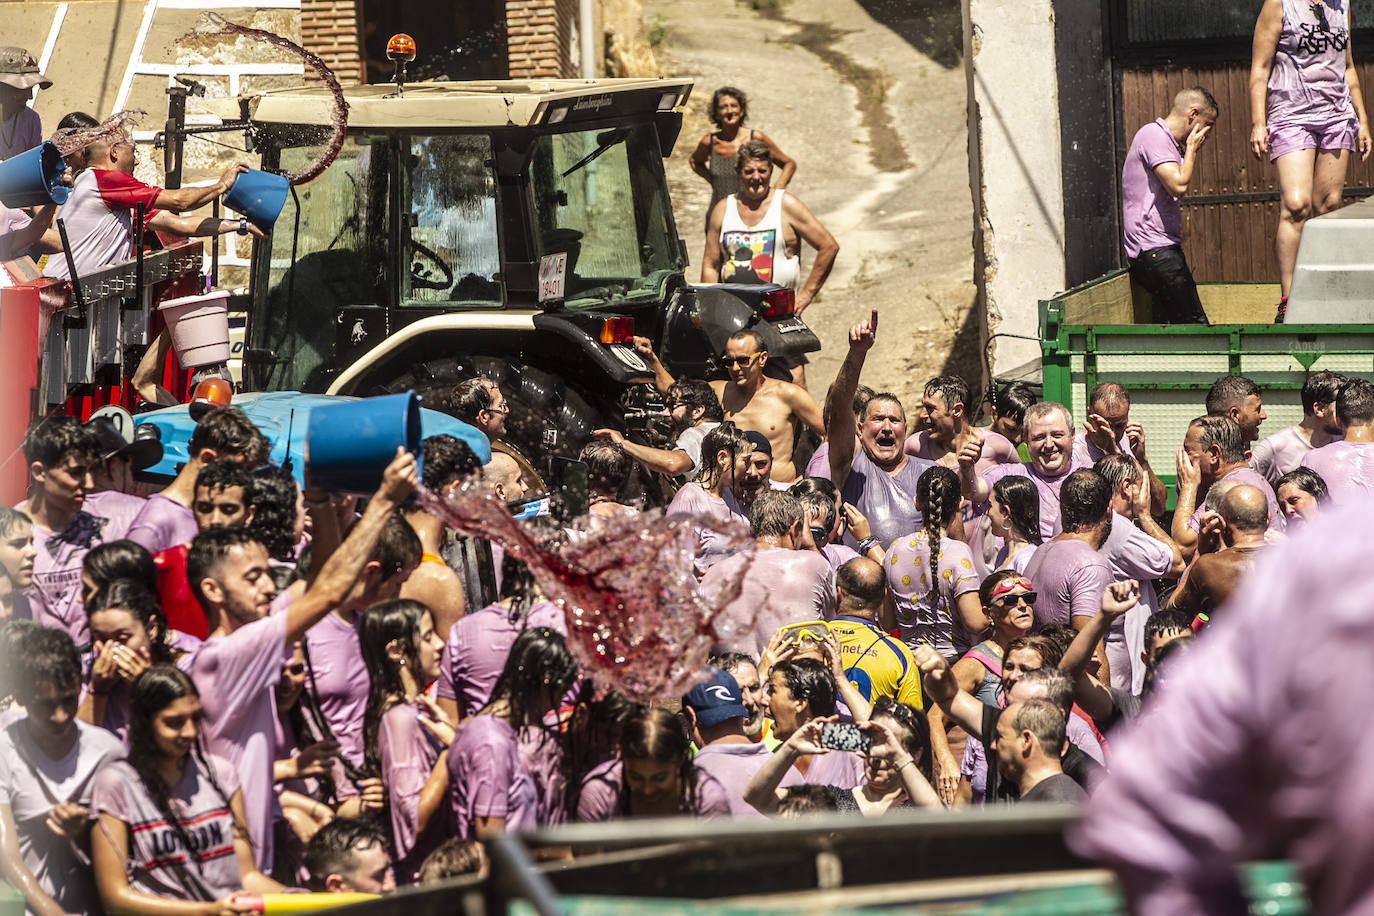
x: 727, y: 437
x: 753, y: 151
x: 744, y: 334
x: 608, y: 466
x: 154, y: 690
x: 1355, y: 403
x: 1307, y: 480
x: 1229, y: 391
x: 12, y: 636
x: 1011, y: 401
x: 992, y: 581
x: 130, y: 595
x: 1223, y: 432
x: 1044, y: 720
x: 79, y: 120
x: 208, y: 550
x: 330, y: 851
x: 694, y: 393
x: 1118, y: 469
x: 229, y: 433
x: 45, y: 656
x: 398, y: 547
x: 809, y: 681
x: 817, y: 494
x: 10, y: 519
x: 917, y: 740
x: 272, y: 493
x: 774, y: 514
x: 1084, y: 500
x: 122, y: 559
x: 446, y: 459
x: 862, y: 593
x: 471, y: 397
x: 539, y: 662
x: 658, y: 735
x: 951, y: 389
x: 1169, y: 620
x: 799, y: 801
x: 224, y: 475
x: 1164, y: 658
x: 1320, y: 388
x: 733, y: 93
x: 937, y: 496
x: 382, y: 623
x: 1059, y: 687
x: 50, y: 440
x: 1049, y: 649
x: 1022, y: 501
x: 1108, y: 394
x: 455, y: 858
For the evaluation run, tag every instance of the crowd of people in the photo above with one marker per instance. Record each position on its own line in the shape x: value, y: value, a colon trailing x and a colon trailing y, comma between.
x: 236, y: 685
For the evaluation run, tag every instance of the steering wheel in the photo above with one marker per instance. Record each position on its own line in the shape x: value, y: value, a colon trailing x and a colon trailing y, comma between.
x: 421, y: 277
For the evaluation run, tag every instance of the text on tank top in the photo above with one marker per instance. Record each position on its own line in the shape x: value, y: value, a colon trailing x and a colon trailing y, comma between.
x: 757, y: 254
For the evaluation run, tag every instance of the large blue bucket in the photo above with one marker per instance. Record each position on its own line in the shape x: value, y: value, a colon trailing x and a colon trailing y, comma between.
x: 259, y: 196
x: 33, y: 178
x: 348, y: 445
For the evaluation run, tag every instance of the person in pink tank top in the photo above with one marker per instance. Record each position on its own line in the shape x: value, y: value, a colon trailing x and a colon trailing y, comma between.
x: 1307, y: 113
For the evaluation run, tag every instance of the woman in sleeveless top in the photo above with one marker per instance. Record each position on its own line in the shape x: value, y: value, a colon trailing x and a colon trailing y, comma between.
x: 714, y: 157
x: 1307, y: 113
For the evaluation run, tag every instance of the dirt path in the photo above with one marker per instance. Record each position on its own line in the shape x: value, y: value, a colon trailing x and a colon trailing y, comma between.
x: 868, y: 97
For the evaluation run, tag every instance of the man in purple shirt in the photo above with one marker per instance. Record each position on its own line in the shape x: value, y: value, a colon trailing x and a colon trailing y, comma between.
x: 237, y: 668
x: 1153, y: 178
x: 1109, y: 430
x: 1068, y: 572
x: 1283, y: 451
x: 1050, y: 441
x: 167, y: 520
x: 1253, y: 744
x: 1348, y: 466
x: 1213, y: 449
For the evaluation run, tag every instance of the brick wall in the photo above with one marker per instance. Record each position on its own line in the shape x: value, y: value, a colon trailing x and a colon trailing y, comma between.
x: 538, y: 38
x: 329, y: 29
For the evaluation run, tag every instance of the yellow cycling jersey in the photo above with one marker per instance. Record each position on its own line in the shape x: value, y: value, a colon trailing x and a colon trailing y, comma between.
x: 877, y: 664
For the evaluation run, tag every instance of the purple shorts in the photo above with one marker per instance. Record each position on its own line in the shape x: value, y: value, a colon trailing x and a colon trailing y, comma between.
x: 1334, y: 135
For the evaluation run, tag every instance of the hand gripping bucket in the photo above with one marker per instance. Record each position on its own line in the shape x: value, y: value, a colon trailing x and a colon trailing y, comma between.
x: 33, y: 178
x: 199, y: 327
x: 259, y: 196
x: 349, y: 444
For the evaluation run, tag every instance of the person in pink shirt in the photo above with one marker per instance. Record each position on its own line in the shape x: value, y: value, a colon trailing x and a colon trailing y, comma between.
x: 1109, y: 430
x: 167, y: 520
x: 19, y: 232
x: 1214, y: 449
x: 1302, y: 495
x: 777, y: 583
x: 1276, y: 455
x: 113, y: 475
x: 1347, y: 466
x: 172, y: 828
x: 17, y: 556
x: 1049, y: 439
x: 489, y: 789
x: 944, y: 414
x: 405, y: 735
x: 726, y: 461
x: 238, y: 666
x: 61, y: 453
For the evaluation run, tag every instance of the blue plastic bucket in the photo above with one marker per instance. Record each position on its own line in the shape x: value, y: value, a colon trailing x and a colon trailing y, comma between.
x: 259, y: 196
x: 348, y: 445
x: 33, y: 178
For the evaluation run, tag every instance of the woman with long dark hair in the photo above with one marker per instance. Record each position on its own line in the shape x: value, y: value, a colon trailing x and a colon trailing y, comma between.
x: 191, y: 846
x: 724, y: 455
x: 117, y: 560
x: 405, y: 736
x: 490, y: 788
x: 1014, y: 513
x: 659, y: 778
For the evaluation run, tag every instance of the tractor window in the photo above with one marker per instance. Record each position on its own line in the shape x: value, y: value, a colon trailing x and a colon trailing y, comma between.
x: 601, y: 197
x: 328, y: 255
x: 452, y: 253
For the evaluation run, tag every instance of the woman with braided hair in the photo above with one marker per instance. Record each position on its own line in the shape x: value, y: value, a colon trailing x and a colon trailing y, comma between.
x: 190, y: 852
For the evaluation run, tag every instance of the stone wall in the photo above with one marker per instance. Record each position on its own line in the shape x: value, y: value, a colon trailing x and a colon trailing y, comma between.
x: 330, y: 28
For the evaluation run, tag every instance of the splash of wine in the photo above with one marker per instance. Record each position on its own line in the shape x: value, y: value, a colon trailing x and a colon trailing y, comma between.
x: 70, y: 140
x: 636, y: 623
x: 212, y: 25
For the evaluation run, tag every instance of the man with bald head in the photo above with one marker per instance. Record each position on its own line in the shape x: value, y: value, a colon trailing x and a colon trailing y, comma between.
x: 1214, y: 577
x: 875, y: 663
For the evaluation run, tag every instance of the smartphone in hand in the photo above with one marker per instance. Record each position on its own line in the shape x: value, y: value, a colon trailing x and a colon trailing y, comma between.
x: 844, y: 736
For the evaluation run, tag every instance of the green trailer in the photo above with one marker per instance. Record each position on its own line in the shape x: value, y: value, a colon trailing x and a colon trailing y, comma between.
x: 1101, y: 331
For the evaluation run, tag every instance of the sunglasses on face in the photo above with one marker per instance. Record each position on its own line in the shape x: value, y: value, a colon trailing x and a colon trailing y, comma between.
x: 1009, y: 601
x: 739, y: 360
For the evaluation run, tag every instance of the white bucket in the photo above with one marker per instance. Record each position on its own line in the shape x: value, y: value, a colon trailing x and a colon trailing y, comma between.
x: 199, y: 327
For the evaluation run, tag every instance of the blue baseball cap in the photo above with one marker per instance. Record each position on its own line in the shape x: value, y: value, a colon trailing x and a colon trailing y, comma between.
x: 717, y: 699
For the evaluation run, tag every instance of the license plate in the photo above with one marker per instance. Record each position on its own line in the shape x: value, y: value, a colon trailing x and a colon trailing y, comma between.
x: 789, y: 325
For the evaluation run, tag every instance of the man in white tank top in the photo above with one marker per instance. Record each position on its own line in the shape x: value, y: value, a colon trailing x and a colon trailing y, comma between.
x: 755, y: 236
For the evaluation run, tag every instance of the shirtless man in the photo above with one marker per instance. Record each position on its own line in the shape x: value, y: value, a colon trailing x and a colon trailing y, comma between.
x: 752, y: 400
x: 1214, y: 576
x: 745, y: 229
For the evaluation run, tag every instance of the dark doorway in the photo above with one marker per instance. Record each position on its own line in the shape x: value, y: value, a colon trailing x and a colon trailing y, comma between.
x: 455, y: 41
